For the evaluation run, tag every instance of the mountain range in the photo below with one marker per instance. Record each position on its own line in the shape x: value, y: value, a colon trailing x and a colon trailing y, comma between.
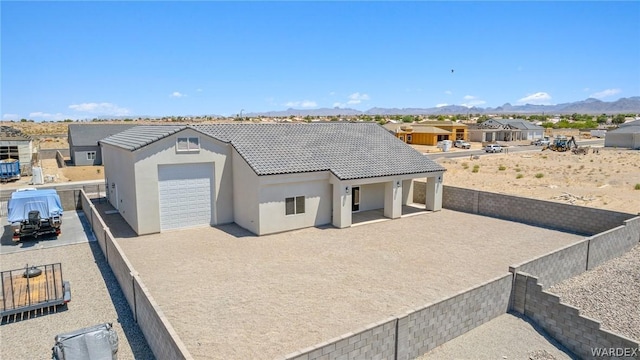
x: 629, y: 105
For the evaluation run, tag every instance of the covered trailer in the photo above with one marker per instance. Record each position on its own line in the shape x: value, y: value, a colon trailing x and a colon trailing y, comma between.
x: 34, y: 213
x: 9, y: 170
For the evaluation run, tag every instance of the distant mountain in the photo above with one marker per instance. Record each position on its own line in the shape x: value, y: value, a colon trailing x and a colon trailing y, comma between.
x: 587, y: 106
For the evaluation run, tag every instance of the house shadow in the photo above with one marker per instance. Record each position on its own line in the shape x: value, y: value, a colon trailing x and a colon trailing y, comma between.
x: 234, y: 230
x: 115, y: 222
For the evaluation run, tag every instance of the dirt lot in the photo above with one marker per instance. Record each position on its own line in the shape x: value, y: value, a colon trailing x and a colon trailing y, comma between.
x: 604, y: 180
x: 239, y: 296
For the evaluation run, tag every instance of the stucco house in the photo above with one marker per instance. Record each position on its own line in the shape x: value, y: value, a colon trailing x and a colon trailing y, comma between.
x: 267, y: 178
x: 14, y: 144
x: 493, y: 130
x: 627, y: 135
x: 83, y: 141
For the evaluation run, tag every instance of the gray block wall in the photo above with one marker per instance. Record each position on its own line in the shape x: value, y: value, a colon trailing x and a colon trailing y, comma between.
x: 432, y: 326
x: 553, y: 215
x: 557, y: 265
x: 70, y: 200
x: 376, y: 341
x: 564, y: 323
x: 160, y: 335
x: 613, y: 243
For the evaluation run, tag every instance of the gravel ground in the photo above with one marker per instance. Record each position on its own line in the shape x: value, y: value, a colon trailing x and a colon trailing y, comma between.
x: 232, y: 295
x: 609, y: 293
x: 505, y: 337
x: 95, y: 298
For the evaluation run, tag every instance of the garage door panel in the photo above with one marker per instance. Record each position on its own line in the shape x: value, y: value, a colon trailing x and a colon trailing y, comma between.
x: 185, y: 193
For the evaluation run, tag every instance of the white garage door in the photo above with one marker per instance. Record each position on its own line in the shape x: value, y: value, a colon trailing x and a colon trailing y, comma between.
x: 185, y: 193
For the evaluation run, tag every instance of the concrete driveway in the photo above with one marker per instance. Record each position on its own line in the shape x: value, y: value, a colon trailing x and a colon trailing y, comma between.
x: 75, y: 229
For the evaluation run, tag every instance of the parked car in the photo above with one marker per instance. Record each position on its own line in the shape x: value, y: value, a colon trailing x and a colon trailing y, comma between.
x: 493, y: 148
x: 462, y: 144
x: 541, y: 142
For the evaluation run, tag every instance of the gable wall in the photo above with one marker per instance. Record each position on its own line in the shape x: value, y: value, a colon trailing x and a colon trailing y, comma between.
x: 120, y: 180
x: 163, y: 152
x: 245, y: 194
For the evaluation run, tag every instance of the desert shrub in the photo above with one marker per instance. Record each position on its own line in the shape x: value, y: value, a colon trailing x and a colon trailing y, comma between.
x: 519, y: 176
x: 476, y: 168
x: 465, y: 165
x: 539, y: 175
x: 502, y: 168
x: 518, y: 169
x: 637, y: 187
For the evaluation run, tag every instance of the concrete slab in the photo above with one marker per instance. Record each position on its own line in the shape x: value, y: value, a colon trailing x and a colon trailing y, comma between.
x: 75, y: 229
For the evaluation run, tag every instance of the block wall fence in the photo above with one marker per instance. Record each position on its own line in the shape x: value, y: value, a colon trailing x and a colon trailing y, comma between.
x: 564, y: 217
x: 578, y: 333
x: 414, y: 333
x: 160, y: 335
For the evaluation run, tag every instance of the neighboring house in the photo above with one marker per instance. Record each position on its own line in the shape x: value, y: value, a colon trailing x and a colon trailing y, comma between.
x: 83, y: 141
x: 494, y: 130
x: 418, y: 134
x: 266, y: 178
x: 459, y: 131
x: 16, y: 145
x: 625, y: 136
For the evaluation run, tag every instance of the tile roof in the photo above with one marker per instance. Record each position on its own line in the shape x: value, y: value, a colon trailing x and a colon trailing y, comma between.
x: 520, y: 124
x: 90, y: 134
x: 348, y: 150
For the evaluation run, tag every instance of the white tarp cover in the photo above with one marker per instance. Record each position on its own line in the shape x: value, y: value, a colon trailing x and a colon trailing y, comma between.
x: 46, y: 201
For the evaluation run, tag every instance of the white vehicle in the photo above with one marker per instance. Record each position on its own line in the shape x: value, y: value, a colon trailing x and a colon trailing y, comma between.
x: 462, y: 144
x: 493, y: 148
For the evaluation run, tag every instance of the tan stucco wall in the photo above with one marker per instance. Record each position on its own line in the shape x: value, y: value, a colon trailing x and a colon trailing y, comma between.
x: 245, y: 194
x: 120, y: 180
x: 274, y: 189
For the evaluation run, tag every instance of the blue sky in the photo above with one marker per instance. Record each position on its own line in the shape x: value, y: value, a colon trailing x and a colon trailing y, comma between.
x: 87, y: 59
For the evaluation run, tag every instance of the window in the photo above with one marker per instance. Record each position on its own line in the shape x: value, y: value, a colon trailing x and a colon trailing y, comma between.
x: 294, y: 205
x: 8, y: 152
x: 91, y: 155
x: 188, y: 144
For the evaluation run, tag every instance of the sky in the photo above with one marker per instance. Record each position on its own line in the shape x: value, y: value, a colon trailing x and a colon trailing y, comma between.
x: 81, y: 60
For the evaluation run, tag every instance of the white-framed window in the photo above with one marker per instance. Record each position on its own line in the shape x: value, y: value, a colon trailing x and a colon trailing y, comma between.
x: 91, y: 155
x: 294, y: 205
x: 187, y: 144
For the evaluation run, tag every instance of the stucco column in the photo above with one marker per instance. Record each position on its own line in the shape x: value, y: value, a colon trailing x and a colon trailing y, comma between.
x: 341, y: 206
x: 393, y: 199
x: 433, y: 196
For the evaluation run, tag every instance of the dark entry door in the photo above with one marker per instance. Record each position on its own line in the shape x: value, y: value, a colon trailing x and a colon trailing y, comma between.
x: 355, y: 198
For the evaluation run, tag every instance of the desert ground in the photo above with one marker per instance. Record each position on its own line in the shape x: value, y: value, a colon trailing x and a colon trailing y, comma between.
x: 606, y: 179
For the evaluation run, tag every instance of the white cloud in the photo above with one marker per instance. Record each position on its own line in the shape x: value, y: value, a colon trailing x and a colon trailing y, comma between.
x: 605, y: 93
x: 332, y: 93
x: 441, y: 105
x: 303, y: 103
x: 10, y: 116
x: 448, y: 92
x: 199, y: 90
x: 471, y: 101
x: 539, y: 98
x: 357, y: 98
x: 177, y: 94
x: 100, y: 109
x: 47, y: 116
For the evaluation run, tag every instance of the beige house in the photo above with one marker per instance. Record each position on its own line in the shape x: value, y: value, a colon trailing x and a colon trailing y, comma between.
x: 267, y: 178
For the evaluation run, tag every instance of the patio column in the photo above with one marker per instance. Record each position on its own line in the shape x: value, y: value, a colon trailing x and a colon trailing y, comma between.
x: 341, y: 205
x: 393, y: 199
x: 433, y: 195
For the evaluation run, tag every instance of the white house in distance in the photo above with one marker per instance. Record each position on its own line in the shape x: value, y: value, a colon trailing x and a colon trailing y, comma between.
x: 494, y: 130
x: 267, y: 178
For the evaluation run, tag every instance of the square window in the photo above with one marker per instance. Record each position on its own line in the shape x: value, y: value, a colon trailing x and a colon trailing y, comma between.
x: 91, y: 155
x: 188, y: 144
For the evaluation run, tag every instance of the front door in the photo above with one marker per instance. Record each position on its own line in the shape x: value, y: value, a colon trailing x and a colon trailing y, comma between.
x: 355, y: 198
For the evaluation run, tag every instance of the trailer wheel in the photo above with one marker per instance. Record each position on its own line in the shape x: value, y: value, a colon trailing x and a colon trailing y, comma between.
x: 32, y: 272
